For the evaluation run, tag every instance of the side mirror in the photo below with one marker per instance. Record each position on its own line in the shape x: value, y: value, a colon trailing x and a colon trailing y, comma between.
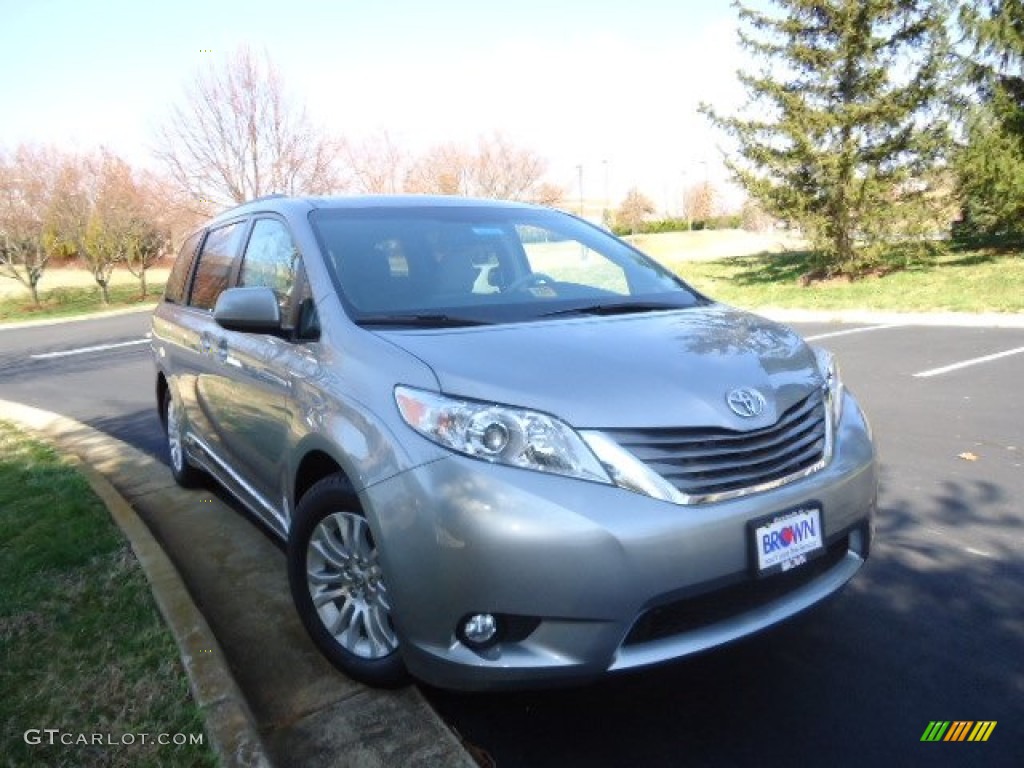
x: 250, y: 310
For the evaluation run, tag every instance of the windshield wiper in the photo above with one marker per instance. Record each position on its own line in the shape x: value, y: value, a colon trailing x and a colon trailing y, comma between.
x: 618, y: 308
x: 420, y: 320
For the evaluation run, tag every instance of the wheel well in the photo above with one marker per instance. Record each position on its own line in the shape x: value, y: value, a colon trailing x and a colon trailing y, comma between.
x: 315, y: 466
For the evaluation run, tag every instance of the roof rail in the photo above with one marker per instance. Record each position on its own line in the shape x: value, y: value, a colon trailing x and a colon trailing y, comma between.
x: 261, y: 198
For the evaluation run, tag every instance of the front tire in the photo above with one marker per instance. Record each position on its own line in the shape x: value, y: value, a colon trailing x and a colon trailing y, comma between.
x: 338, y: 587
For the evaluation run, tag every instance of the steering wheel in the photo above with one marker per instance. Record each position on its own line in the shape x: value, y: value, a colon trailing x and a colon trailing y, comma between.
x: 527, y: 280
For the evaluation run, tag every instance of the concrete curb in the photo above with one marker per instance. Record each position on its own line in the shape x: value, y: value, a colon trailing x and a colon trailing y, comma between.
x: 868, y: 317
x: 75, y: 318
x: 229, y: 723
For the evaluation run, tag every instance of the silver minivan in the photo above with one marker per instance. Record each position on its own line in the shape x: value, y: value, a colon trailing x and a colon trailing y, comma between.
x: 503, y: 446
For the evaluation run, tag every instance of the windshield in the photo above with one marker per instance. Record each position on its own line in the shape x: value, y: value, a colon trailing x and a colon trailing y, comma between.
x: 446, y: 265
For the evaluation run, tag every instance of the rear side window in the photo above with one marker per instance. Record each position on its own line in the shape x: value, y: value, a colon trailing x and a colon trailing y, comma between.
x: 177, y: 281
x: 215, y: 265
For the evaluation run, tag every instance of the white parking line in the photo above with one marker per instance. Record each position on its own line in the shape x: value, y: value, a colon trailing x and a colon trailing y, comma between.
x: 966, y: 363
x: 85, y: 350
x: 852, y: 330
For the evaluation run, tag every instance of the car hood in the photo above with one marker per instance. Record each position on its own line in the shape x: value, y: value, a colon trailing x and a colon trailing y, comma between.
x: 656, y: 369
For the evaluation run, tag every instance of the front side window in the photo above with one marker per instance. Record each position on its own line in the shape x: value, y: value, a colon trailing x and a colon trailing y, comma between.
x: 271, y: 260
x: 214, y: 268
x: 485, y: 265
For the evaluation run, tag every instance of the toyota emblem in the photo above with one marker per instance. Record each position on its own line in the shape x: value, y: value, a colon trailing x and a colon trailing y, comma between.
x: 746, y: 402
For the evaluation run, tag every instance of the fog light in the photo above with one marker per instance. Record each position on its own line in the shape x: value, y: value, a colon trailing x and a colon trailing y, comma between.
x: 480, y: 628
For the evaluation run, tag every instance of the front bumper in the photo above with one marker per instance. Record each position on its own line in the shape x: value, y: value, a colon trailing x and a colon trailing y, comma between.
x: 599, y: 575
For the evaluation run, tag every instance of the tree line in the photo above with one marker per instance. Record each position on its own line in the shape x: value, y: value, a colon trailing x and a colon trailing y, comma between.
x: 239, y: 135
x: 236, y: 135
x: 872, y: 124
x: 91, y: 207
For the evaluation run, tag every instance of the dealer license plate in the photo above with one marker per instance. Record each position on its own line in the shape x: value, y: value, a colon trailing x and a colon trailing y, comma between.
x: 788, y: 540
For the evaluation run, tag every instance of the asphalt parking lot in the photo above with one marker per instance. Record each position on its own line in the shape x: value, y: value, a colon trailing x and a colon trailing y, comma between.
x: 932, y: 628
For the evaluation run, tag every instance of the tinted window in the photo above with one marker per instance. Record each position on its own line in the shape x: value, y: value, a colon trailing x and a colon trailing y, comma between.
x: 272, y: 261
x: 215, y: 265
x: 177, y: 280
x: 487, y: 264
x: 568, y: 260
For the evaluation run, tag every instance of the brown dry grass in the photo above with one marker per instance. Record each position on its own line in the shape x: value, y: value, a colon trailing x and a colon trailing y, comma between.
x: 65, y: 277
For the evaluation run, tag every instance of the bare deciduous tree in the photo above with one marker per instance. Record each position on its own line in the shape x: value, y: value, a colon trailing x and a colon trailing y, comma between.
x: 378, y: 165
x: 107, y: 233
x: 109, y: 215
x: 238, y: 136
x: 547, y: 193
x: 170, y: 209
x: 496, y: 168
x: 634, y: 209
x: 505, y: 171
x: 70, y: 203
x: 445, y: 169
x: 147, y: 224
x: 25, y: 198
x: 700, y: 202
x: 146, y: 244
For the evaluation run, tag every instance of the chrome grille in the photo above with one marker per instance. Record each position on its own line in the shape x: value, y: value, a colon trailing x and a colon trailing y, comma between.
x: 708, y: 462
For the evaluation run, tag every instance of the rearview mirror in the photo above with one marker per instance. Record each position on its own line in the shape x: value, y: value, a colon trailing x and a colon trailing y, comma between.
x: 250, y: 310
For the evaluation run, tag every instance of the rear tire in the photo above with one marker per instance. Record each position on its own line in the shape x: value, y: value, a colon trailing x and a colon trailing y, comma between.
x: 338, y: 587
x: 185, y: 475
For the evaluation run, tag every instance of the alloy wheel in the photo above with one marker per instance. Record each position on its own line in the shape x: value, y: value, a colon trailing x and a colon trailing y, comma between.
x: 347, y: 588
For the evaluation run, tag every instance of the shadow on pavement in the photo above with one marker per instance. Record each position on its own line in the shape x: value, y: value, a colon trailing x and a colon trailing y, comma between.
x: 140, y: 428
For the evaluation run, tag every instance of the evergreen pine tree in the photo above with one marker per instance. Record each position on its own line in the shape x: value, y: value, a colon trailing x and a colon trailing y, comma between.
x: 842, y: 132
x: 990, y: 168
x: 996, y: 27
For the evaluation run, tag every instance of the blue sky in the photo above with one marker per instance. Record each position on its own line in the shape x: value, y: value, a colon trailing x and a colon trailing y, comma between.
x: 579, y: 82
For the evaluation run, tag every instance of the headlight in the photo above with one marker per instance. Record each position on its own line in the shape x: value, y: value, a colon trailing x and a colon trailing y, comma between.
x: 500, y: 434
x: 829, y: 369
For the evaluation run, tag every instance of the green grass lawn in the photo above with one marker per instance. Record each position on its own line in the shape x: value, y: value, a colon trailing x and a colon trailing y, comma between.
x: 71, y: 301
x: 82, y: 646
x: 977, y: 280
